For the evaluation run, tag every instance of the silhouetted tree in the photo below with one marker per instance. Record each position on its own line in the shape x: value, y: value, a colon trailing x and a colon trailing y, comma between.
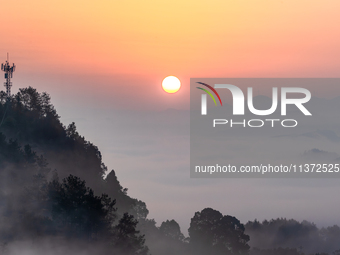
x: 212, y: 233
x: 139, y: 210
x: 171, y: 229
x: 127, y: 237
x: 77, y: 211
x: 124, y: 203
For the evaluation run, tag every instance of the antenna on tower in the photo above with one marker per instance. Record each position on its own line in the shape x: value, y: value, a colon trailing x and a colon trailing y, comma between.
x: 8, y: 69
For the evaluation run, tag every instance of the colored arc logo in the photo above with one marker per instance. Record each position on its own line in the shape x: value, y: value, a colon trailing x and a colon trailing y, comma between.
x: 212, y: 89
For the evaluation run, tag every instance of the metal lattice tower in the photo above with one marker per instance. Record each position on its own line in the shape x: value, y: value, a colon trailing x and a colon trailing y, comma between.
x: 8, y: 75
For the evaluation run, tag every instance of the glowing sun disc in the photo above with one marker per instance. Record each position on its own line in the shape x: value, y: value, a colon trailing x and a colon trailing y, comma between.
x: 171, y: 84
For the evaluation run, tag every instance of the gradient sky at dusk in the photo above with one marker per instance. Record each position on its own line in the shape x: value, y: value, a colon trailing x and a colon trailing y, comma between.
x: 103, y: 62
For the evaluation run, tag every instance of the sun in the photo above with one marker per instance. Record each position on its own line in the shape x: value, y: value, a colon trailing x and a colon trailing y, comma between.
x: 171, y: 84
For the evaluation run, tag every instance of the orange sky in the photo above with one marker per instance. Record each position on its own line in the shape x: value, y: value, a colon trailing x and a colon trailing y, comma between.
x: 191, y: 38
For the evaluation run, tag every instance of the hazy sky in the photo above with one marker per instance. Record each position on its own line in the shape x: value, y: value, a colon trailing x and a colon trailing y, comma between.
x: 103, y: 62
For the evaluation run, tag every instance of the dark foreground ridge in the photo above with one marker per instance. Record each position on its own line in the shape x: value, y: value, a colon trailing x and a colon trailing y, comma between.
x: 55, y: 198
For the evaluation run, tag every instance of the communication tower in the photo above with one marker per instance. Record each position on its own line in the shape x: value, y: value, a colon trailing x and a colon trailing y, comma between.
x: 8, y: 75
